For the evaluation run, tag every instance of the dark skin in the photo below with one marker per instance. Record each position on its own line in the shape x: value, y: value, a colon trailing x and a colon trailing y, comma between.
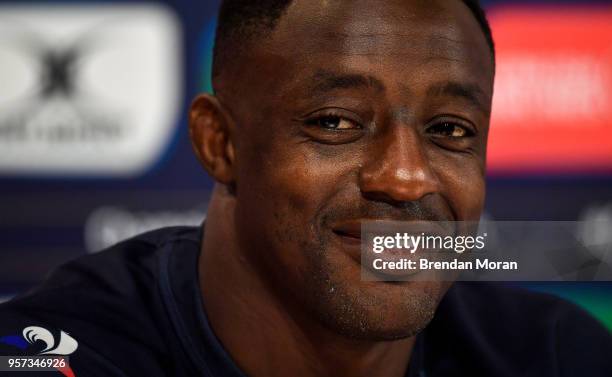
x: 345, y: 112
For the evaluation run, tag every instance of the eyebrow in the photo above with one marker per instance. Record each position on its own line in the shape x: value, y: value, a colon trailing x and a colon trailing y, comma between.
x: 326, y: 81
x: 470, y: 92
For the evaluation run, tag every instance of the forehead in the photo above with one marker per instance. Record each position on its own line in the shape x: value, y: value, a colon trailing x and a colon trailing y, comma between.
x: 370, y: 27
x: 385, y: 39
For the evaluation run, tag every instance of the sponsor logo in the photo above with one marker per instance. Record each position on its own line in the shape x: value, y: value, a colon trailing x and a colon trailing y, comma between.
x: 553, y: 90
x: 87, y: 90
x: 38, y: 341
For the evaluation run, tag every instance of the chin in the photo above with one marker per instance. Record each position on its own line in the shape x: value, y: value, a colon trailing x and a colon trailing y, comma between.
x: 378, y: 312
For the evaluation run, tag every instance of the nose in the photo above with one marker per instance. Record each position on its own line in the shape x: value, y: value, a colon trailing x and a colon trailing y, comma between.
x: 397, y: 169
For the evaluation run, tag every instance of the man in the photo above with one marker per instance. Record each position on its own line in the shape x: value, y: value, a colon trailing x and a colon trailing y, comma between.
x: 325, y: 114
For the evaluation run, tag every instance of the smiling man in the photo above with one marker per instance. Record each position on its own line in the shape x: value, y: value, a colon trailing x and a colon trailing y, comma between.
x: 346, y: 111
x: 325, y: 114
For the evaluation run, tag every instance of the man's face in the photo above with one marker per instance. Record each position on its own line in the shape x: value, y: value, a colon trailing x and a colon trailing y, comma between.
x: 350, y: 111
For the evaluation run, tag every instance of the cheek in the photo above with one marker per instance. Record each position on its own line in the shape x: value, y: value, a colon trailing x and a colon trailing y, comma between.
x: 463, y: 186
x: 287, y: 182
x: 281, y: 191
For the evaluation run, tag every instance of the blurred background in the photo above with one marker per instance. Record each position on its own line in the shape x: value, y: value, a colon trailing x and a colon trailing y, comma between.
x: 94, y: 145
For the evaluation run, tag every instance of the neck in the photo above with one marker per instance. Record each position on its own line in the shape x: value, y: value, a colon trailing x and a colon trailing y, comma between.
x: 263, y: 334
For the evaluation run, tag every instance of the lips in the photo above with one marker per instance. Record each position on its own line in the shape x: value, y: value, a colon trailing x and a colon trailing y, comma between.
x: 350, y: 231
x: 349, y: 234
x: 352, y: 228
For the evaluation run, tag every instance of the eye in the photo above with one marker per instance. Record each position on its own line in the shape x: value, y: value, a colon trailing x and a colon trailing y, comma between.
x: 450, y: 129
x: 332, y: 126
x: 333, y: 122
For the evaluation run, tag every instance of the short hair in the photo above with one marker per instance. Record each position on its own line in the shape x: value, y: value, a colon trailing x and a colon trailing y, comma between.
x: 240, y: 21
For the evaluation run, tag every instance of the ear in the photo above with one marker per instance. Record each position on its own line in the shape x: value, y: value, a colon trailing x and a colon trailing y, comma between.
x: 210, y: 132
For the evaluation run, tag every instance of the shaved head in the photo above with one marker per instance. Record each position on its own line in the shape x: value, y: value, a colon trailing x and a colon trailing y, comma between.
x: 240, y: 22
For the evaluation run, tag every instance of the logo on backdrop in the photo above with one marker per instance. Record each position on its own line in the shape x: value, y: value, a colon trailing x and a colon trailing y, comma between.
x: 553, y: 89
x: 87, y: 89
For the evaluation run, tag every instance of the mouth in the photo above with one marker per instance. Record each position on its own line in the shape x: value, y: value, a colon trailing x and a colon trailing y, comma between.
x: 349, y: 234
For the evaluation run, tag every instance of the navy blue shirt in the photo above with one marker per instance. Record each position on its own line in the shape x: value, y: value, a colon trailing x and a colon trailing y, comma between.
x: 136, y: 310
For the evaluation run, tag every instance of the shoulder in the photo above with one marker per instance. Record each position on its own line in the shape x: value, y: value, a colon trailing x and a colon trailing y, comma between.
x: 500, y: 325
x: 121, y: 270
x: 108, y: 302
x: 526, y: 310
